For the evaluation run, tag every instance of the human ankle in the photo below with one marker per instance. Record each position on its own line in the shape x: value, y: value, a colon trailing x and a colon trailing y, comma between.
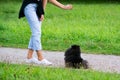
x: 40, y: 59
x: 29, y: 57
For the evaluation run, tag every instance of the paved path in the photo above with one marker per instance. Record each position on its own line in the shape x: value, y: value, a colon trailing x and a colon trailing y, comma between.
x: 105, y: 63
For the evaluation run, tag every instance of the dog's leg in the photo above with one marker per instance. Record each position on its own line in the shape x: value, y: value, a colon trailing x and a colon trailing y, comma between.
x: 85, y: 64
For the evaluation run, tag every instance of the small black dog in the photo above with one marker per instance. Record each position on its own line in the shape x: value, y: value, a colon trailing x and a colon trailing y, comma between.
x: 73, y: 58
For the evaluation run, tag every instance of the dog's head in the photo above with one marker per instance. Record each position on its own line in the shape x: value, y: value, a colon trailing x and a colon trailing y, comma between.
x: 73, y: 50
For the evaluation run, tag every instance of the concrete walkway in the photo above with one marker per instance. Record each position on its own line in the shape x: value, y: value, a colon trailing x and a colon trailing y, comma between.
x: 105, y: 63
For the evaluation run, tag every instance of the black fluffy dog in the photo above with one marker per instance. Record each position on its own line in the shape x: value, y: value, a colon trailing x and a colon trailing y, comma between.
x: 73, y: 58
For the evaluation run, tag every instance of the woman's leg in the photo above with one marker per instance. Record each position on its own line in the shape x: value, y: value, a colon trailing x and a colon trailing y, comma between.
x: 35, y: 26
x: 39, y: 54
x: 30, y: 53
x: 35, y: 40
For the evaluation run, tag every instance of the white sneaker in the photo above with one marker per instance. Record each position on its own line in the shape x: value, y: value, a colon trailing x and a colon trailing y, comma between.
x: 32, y: 60
x: 45, y: 62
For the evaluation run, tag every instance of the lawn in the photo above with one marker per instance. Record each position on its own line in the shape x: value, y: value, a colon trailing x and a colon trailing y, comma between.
x: 30, y: 72
x: 93, y: 26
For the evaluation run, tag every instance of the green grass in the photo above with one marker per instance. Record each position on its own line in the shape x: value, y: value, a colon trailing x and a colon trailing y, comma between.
x: 29, y: 72
x: 95, y: 27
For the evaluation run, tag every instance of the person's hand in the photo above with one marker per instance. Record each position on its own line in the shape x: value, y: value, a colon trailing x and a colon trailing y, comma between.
x: 68, y: 7
x: 42, y: 17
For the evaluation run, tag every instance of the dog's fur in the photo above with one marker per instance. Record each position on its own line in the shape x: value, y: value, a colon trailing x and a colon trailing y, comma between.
x: 73, y: 58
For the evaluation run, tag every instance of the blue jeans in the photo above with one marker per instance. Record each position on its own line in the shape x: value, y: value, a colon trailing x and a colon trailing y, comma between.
x: 35, y: 26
